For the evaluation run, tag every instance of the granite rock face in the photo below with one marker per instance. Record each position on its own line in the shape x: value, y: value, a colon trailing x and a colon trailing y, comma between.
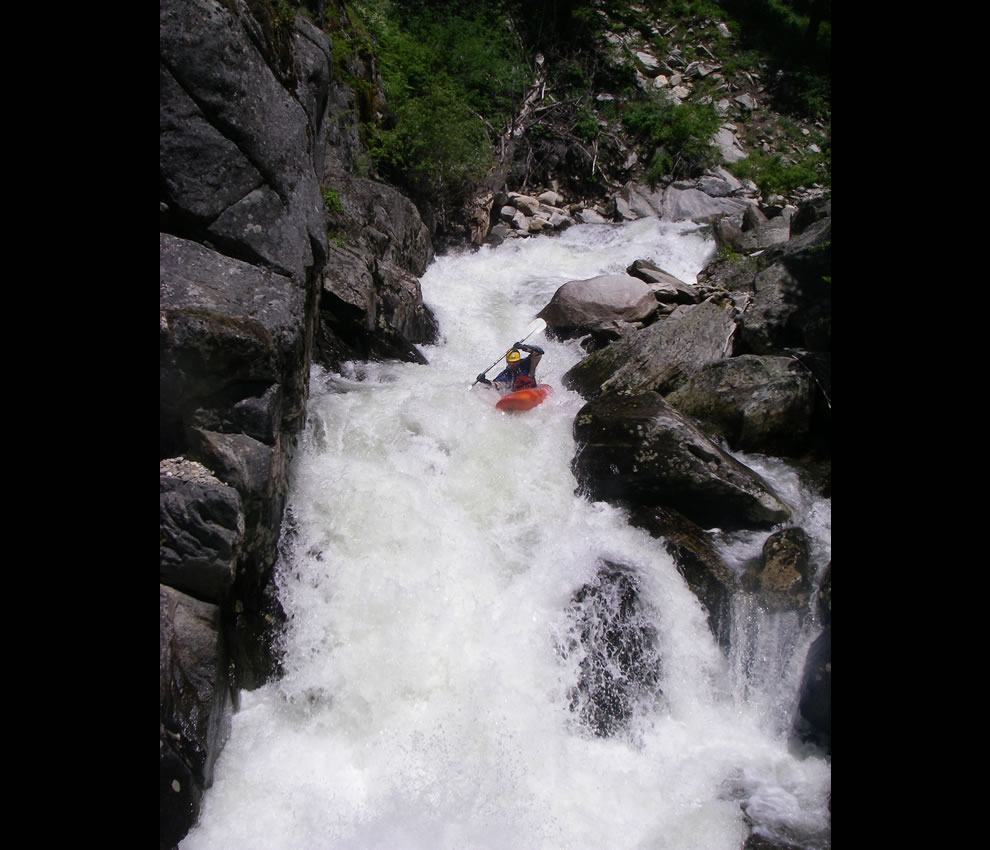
x: 273, y: 253
x: 635, y: 449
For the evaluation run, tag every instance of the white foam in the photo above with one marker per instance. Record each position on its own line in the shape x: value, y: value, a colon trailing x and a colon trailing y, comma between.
x: 439, y: 544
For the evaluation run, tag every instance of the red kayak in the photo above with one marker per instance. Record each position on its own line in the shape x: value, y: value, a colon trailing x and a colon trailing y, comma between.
x: 524, y: 399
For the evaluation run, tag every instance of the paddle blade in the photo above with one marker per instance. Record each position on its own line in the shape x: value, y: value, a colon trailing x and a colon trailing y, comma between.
x: 537, y: 326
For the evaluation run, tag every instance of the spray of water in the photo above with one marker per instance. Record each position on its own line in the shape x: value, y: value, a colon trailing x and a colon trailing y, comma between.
x: 447, y: 616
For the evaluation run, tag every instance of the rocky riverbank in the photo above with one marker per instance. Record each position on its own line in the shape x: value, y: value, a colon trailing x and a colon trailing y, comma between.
x: 262, y: 272
x: 277, y: 250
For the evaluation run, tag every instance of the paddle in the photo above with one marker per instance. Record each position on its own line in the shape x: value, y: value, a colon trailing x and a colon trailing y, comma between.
x: 536, y: 327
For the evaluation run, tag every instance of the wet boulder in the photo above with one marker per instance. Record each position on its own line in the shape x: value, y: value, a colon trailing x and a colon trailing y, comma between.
x: 614, y: 635
x: 813, y: 719
x: 697, y: 560
x: 195, y: 707
x: 782, y: 576
x: 201, y: 530
x: 660, y: 357
x: 229, y: 332
x: 824, y: 597
x: 667, y: 288
x: 596, y: 304
x: 756, y: 403
x: 791, y: 295
x: 235, y: 158
x: 634, y: 201
x: 234, y: 364
x: 635, y: 449
x: 372, y: 301
x: 691, y: 203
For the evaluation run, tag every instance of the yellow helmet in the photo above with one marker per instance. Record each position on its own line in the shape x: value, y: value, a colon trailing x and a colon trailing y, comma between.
x: 513, y: 356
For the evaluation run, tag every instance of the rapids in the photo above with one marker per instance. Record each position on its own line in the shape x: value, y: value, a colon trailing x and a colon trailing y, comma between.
x: 431, y: 553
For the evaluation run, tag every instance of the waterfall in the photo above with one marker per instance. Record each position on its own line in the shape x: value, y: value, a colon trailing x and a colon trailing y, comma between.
x: 441, y: 579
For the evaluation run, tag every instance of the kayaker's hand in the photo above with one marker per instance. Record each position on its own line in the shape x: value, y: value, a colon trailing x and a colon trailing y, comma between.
x: 482, y: 379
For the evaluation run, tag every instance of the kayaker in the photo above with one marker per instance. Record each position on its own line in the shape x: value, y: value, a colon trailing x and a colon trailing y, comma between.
x: 519, y: 372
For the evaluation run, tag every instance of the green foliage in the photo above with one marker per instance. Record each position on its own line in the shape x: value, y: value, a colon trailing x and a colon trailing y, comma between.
x: 695, y: 9
x: 451, y: 78
x: 573, y: 75
x: 794, y: 33
x: 284, y: 20
x: 586, y: 127
x: 777, y: 174
x: 804, y: 92
x: 728, y: 254
x: 352, y: 45
x: 332, y: 202
x: 455, y: 72
x: 438, y: 145
x: 477, y: 55
x: 740, y: 60
x: 679, y: 134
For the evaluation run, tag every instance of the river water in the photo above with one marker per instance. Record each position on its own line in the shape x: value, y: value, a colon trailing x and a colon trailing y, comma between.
x: 435, y: 549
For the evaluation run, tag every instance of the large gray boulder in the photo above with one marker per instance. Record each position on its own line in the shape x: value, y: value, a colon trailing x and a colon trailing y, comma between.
x: 781, y: 577
x: 731, y: 272
x: 752, y: 231
x: 660, y: 357
x: 201, y: 527
x: 195, y: 705
x: 614, y: 634
x: 372, y: 302
x: 234, y: 344
x: 635, y: 449
x: 667, y: 288
x: 691, y: 203
x: 235, y: 161
x: 598, y: 303
x: 813, y: 718
x: 791, y: 301
x: 634, y: 201
x: 698, y: 560
x: 756, y: 403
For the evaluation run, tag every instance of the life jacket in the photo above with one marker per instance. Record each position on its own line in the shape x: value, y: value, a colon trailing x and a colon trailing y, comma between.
x: 520, y: 377
x: 523, y: 382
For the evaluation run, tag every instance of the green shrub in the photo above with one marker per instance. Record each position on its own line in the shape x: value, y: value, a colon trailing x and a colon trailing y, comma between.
x: 450, y: 82
x: 438, y: 145
x: 285, y: 17
x: 586, y: 127
x: 679, y: 135
x: 778, y: 175
x: 331, y: 200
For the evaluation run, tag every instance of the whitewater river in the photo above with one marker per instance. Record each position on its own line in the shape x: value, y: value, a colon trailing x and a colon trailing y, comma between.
x: 436, y: 548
